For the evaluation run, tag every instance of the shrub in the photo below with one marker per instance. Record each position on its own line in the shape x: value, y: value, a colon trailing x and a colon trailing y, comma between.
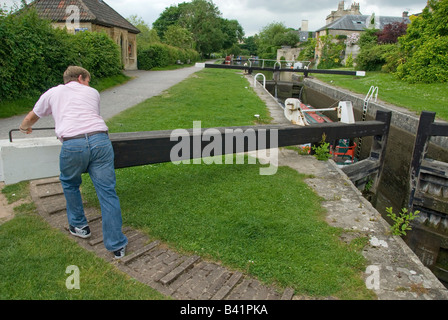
x: 372, y: 58
x: 424, y: 47
x: 34, y: 55
x: 162, y: 55
x: 31, y: 53
x: 96, y: 52
x: 428, y: 64
x: 331, y: 54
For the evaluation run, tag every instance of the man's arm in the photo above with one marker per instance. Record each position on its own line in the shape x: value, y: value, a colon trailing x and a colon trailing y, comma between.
x: 30, y: 119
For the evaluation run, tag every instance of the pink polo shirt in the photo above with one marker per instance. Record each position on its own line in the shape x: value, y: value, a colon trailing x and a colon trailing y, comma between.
x: 75, y: 108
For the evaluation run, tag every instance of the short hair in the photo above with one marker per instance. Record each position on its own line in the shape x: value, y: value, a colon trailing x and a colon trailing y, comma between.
x: 73, y: 72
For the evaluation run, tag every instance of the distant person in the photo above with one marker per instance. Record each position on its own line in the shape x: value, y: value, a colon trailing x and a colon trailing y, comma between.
x: 86, y: 147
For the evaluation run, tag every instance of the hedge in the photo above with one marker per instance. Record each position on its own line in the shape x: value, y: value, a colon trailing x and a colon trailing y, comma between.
x: 162, y: 55
x: 34, y: 55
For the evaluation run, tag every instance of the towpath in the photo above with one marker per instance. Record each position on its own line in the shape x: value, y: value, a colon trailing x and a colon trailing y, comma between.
x: 144, y: 85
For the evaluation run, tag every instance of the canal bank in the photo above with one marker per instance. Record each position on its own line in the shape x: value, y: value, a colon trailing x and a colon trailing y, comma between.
x: 429, y: 237
x: 394, y: 271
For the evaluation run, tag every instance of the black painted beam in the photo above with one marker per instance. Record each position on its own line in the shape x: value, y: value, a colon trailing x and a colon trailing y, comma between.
x: 141, y: 148
x: 305, y: 71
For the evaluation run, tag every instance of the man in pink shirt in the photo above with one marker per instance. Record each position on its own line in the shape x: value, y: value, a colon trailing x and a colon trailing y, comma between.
x: 86, y: 147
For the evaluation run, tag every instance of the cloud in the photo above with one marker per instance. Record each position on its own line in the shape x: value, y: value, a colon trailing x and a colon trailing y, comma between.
x: 253, y: 15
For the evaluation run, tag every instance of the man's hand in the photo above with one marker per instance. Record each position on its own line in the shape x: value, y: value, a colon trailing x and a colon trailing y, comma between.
x: 27, y: 130
x: 30, y: 119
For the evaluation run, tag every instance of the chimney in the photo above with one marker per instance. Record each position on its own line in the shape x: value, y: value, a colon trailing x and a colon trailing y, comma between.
x: 304, y: 25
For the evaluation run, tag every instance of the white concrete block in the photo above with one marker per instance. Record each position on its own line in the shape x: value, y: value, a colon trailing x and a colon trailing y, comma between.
x: 28, y: 159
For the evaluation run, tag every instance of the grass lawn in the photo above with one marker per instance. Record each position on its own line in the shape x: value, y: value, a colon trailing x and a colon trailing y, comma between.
x: 34, y: 258
x: 415, y: 97
x: 270, y: 227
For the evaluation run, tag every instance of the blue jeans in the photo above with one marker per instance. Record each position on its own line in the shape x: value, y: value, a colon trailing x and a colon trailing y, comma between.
x: 95, y: 156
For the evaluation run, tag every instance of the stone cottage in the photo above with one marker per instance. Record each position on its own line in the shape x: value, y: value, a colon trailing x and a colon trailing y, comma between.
x: 93, y: 15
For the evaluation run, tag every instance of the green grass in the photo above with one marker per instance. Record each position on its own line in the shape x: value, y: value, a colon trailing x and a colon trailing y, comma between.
x: 270, y: 227
x: 109, y: 82
x: 415, y: 97
x: 9, y: 108
x: 214, y: 97
x: 34, y: 258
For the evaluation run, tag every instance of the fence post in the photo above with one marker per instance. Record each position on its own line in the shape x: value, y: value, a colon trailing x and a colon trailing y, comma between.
x: 420, y: 148
x: 378, y: 149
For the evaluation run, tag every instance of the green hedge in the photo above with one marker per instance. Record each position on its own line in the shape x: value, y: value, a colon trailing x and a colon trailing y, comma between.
x: 428, y: 63
x: 34, y: 55
x: 162, y: 55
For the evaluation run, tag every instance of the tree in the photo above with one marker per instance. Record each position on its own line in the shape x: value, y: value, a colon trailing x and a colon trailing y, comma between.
x: 391, y: 32
x: 202, y: 19
x: 308, y: 49
x: 331, y: 53
x: 425, y: 46
x: 272, y: 37
x: 178, y: 37
x: 233, y: 33
x: 170, y: 16
x: 146, y: 35
x: 209, y: 31
x: 249, y: 45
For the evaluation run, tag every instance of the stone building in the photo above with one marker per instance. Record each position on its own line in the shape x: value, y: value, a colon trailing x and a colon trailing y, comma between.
x: 93, y: 15
x: 335, y: 15
x: 351, y: 23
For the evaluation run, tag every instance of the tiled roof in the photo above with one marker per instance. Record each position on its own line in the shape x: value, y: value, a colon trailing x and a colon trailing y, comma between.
x: 95, y: 11
x: 360, y: 22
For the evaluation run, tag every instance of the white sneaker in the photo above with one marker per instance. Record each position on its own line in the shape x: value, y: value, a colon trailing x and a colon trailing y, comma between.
x: 120, y: 253
x: 83, y: 232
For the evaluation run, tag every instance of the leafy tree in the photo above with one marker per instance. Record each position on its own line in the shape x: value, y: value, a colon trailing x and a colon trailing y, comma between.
x: 308, y: 50
x: 391, y: 32
x: 368, y: 38
x: 178, y: 37
x: 146, y: 35
x: 425, y: 46
x: 373, y: 58
x: 379, y: 51
x: 272, y: 37
x: 249, y: 45
x: 209, y: 31
x: 202, y: 19
x: 170, y: 16
x: 233, y: 33
x: 331, y: 52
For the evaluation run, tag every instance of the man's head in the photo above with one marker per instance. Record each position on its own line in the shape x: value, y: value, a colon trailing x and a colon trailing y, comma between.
x: 75, y: 73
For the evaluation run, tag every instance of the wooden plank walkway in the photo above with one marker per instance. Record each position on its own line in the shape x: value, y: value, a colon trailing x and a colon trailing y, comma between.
x: 179, y: 276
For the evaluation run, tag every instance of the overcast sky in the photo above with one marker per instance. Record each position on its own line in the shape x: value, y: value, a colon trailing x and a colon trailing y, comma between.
x: 253, y: 15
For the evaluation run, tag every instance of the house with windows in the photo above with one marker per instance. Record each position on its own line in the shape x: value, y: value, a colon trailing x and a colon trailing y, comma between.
x: 92, y: 15
x: 351, y: 23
